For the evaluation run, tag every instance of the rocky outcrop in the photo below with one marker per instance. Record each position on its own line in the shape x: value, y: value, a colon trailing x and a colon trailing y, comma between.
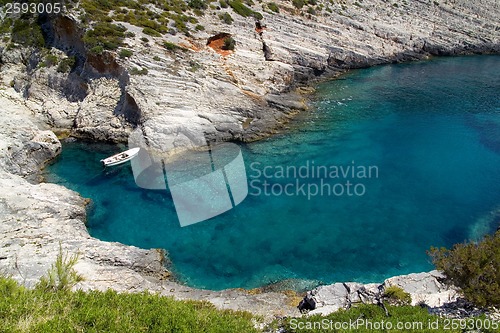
x: 24, y: 148
x: 233, y: 95
x: 37, y: 218
x: 97, y: 118
x: 424, y: 288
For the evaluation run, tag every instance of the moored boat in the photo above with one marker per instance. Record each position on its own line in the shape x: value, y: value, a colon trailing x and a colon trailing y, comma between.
x: 120, y: 157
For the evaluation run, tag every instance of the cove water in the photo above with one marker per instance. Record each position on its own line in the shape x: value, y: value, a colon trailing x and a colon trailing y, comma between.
x: 429, y: 130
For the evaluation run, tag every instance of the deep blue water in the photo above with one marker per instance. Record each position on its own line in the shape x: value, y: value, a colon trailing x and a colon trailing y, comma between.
x: 431, y: 129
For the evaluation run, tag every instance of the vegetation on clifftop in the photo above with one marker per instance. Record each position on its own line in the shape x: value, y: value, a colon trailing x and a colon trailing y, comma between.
x: 36, y: 310
x: 474, y: 268
x: 49, y: 310
x: 52, y: 307
x: 371, y: 318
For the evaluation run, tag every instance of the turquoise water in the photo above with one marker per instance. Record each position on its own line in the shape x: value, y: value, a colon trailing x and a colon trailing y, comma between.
x: 431, y: 130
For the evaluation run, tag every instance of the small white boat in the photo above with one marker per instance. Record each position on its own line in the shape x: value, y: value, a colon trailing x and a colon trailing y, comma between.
x: 120, y: 157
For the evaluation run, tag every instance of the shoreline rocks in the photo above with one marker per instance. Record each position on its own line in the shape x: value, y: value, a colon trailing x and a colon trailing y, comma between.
x: 425, y: 289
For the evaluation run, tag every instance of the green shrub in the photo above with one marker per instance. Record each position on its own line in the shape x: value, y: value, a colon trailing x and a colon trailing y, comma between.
x: 25, y: 310
x: 198, y: 12
x: 66, y: 64
x: 197, y: 4
x: 5, y: 25
x: 151, y: 32
x: 107, y: 35
x: 396, y: 295
x: 311, y: 10
x: 170, y: 46
x: 97, y: 49
x: 144, y: 39
x: 27, y: 32
x: 240, y: 8
x: 151, y: 24
x: 173, y: 47
x: 49, y: 61
x: 137, y: 13
x: 226, y: 18
x: 156, y: 58
x: 243, y: 10
x: 180, y: 21
x: 62, y: 275
x: 229, y: 43
x: 273, y: 7
x: 474, y: 268
x: 194, y: 66
x: 298, y: 3
x: 199, y: 27
x: 125, y: 53
x: 137, y: 71
x: 223, y: 4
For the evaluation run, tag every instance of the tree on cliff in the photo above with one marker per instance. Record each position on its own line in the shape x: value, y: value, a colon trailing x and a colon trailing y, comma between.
x: 473, y: 267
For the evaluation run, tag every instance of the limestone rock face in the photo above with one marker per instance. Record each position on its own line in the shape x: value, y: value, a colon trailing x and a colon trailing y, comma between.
x: 424, y: 288
x: 37, y: 218
x: 23, y: 147
x: 97, y: 117
x: 240, y: 95
x: 42, y: 148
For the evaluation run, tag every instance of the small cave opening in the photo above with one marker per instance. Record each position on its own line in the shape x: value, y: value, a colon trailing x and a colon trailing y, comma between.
x: 129, y: 109
x: 259, y: 27
x: 219, y: 43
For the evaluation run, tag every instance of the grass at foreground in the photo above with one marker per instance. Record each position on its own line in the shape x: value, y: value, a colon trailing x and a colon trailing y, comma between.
x: 40, y: 310
x: 37, y: 310
x: 371, y: 318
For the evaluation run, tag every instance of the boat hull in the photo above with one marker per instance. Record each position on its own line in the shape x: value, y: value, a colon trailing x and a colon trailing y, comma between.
x: 120, y: 157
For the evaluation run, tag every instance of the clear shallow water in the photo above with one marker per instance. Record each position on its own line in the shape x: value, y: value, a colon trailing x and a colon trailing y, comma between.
x: 432, y: 129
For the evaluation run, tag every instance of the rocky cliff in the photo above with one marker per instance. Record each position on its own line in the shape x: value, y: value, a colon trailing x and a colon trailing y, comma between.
x: 175, y: 86
x: 193, y: 85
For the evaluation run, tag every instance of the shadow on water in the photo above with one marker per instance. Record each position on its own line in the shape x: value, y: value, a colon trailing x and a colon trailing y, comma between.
x: 105, y: 175
x: 487, y: 130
